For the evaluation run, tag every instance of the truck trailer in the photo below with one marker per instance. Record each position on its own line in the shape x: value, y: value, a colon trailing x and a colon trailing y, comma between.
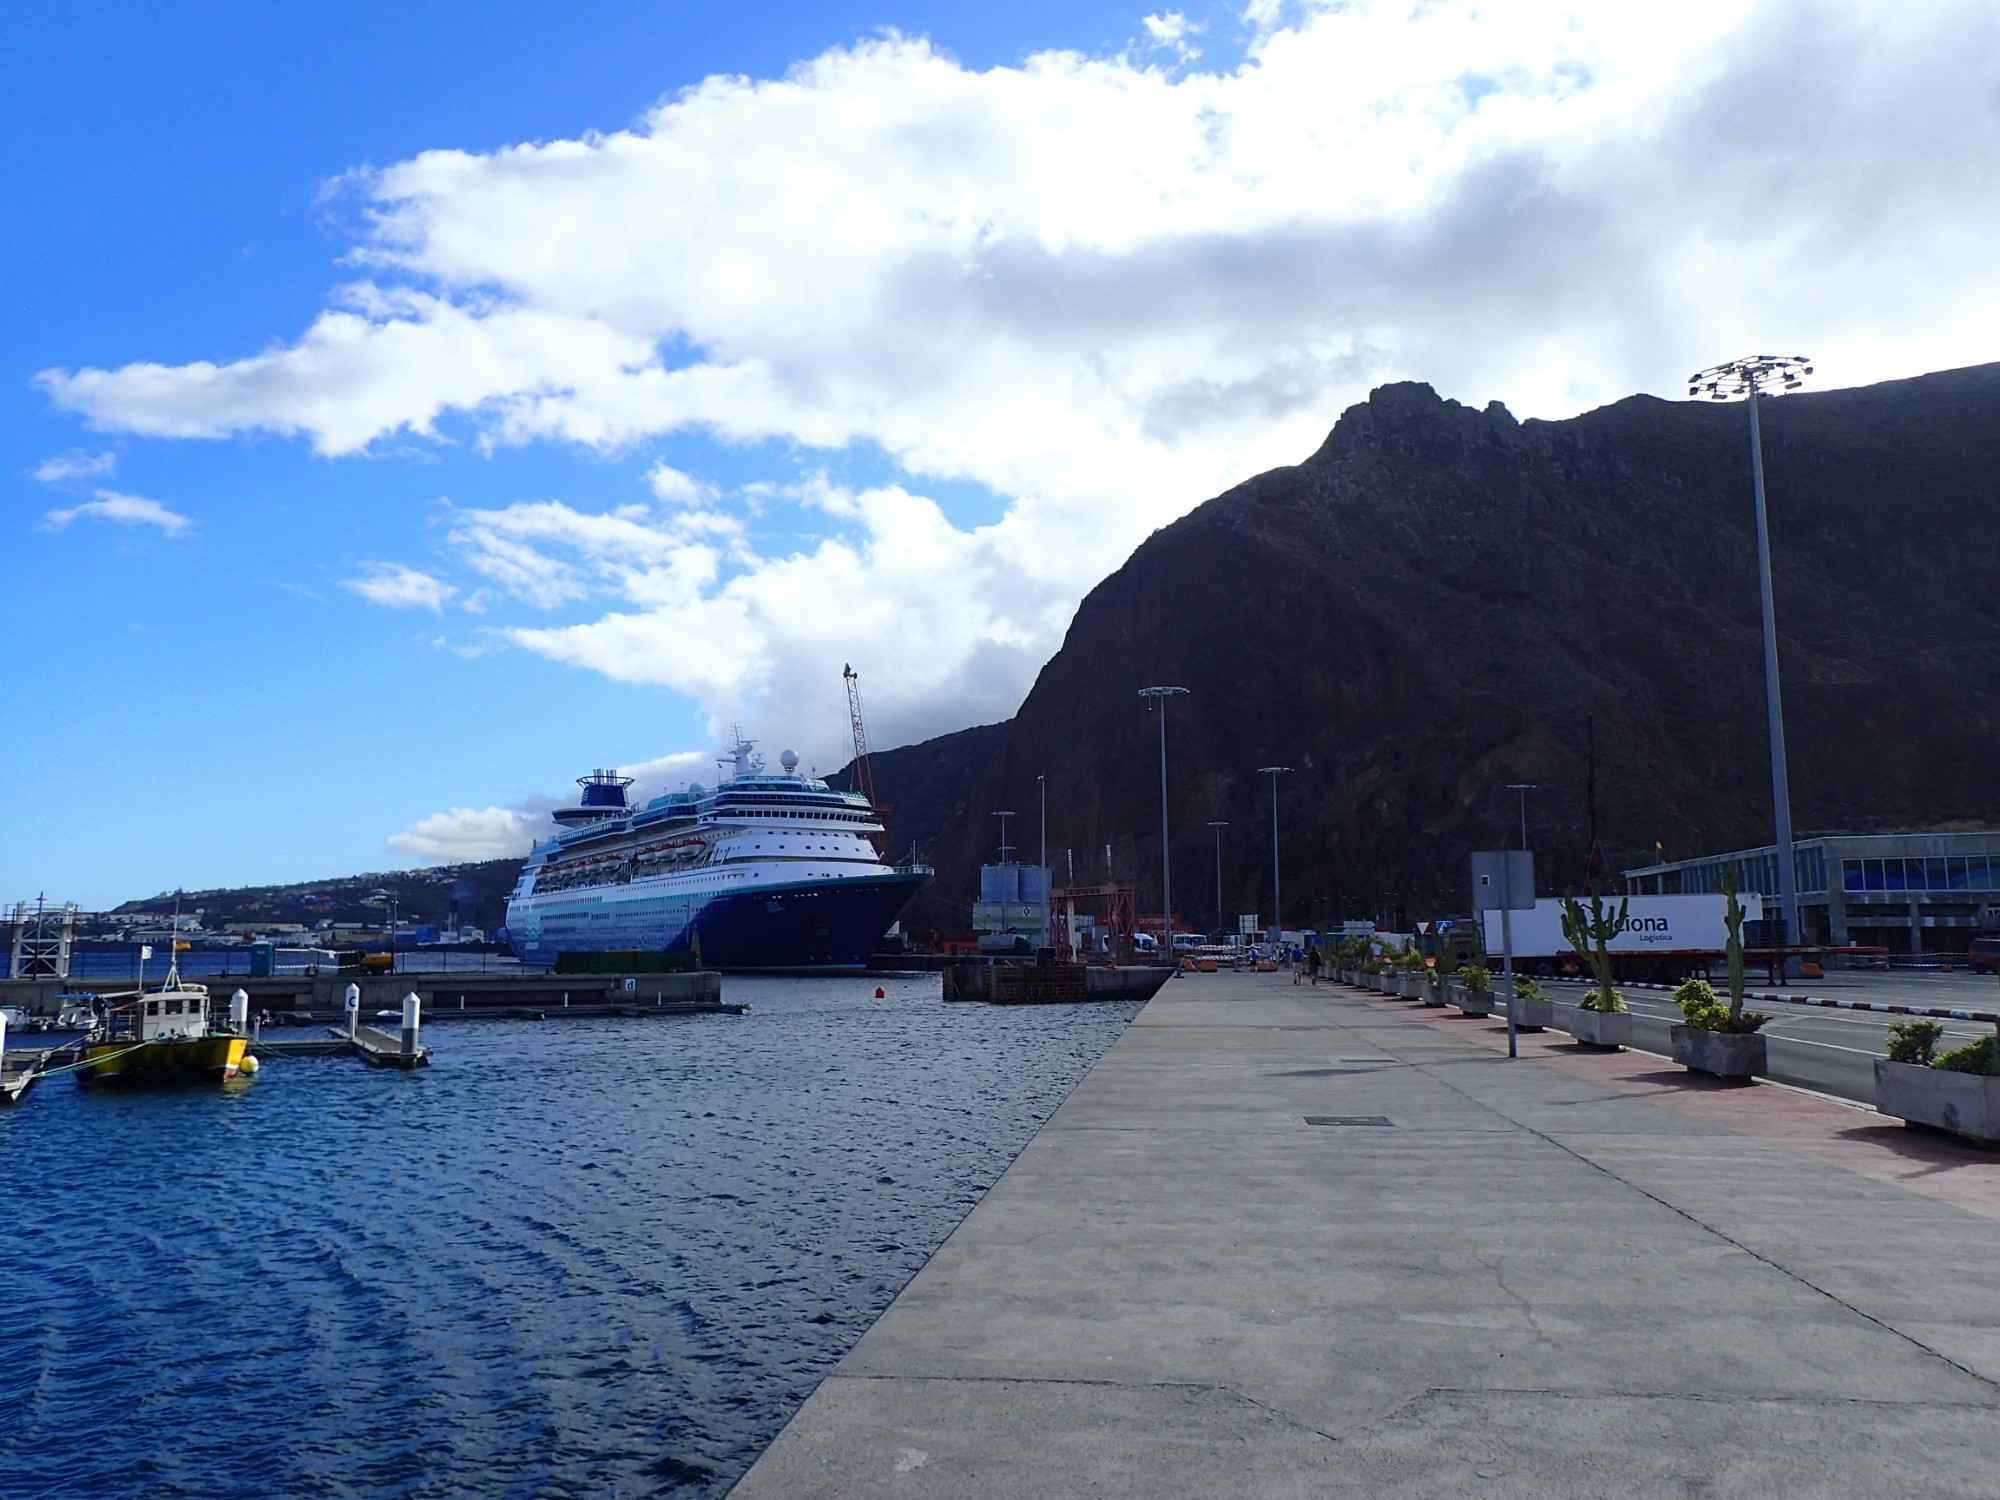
x: 1666, y: 938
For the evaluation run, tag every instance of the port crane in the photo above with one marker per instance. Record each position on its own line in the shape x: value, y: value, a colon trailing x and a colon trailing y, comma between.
x: 864, y: 779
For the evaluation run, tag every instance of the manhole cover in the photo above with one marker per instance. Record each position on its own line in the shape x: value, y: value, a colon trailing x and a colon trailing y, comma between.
x: 1347, y: 1120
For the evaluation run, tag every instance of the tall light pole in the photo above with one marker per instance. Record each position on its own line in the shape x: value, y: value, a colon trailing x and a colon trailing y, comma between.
x: 1749, y: 378
x: 1523, y: 787
x: 1277, y: 891
x: 1218, y: 825
x: 1160, y: 695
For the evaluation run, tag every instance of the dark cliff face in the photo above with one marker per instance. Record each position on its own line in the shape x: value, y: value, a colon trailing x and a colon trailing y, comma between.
x: 1439, y: 600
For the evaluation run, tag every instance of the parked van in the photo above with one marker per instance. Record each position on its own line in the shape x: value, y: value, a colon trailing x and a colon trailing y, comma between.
x: 1983, y: 954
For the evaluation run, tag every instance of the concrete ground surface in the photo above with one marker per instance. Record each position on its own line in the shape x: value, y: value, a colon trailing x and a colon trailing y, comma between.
x: 1529, y: 1281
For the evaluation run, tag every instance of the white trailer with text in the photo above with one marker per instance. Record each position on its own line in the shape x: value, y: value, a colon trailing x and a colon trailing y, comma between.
x: 1666, y: 938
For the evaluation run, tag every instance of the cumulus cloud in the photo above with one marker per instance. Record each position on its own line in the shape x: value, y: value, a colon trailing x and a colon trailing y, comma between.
x: 1173, y: 31
x: 74, y: 466
x: 677, y: 488
x: 1104, y: 290
x: 124, y: 510
x: 400, y: 587
x: 467, y: 833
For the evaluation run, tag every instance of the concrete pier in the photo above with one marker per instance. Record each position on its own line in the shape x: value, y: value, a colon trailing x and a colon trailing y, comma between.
x: 1288, y: 1241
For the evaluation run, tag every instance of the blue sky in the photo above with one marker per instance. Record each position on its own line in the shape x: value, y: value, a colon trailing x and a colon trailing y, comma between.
x: 405, y: 410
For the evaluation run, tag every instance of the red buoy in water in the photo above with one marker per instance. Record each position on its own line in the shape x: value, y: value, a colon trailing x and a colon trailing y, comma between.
x: 880, y: 993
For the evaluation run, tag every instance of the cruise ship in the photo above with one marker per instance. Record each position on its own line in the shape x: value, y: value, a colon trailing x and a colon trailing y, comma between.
x: 763, y: 871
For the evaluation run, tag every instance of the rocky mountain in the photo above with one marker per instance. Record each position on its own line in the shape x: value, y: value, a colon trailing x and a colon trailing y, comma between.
x: 1443, y: 600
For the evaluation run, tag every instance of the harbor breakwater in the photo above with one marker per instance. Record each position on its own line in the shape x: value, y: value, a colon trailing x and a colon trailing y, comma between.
x: 594, y: 1259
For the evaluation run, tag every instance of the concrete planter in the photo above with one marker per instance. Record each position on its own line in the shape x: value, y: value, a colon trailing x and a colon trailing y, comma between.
x: 1434, y: 995
x: 1473, y: 1002
x: 1410, y: 986
x: 1601, y: 1028
x: 1725, y: 1054
x: 1966, y: 1104
x: 1534, y: 1015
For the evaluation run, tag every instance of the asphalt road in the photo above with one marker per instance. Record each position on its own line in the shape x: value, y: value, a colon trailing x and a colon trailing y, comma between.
x: 1830, y: 1051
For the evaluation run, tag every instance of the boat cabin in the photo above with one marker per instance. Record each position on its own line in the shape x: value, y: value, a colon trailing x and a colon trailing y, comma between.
x: 170, y: 1013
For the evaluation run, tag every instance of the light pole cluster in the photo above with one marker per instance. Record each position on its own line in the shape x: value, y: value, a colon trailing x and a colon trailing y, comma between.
x: 1159, y: 696
x: 1765, y: 374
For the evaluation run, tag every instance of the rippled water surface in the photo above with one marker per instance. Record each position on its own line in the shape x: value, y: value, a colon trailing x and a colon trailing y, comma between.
x: 572, y: 1258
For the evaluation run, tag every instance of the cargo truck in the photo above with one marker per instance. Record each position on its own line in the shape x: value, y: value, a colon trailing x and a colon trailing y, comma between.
x: 1666, y: 938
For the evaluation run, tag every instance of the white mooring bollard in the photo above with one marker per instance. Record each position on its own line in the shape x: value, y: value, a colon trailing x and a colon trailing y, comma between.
x: 239, y: 1012
x: 3, y: 1037
x: 353, y: 1009
x: 412, y: 1017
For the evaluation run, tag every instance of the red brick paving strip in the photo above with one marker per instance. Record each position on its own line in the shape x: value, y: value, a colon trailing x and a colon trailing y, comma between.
x: 1860, y: 1140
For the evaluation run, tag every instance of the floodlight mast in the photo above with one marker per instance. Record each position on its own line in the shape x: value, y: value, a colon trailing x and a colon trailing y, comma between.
x: 1159, y: 697
x: 1757, y: 375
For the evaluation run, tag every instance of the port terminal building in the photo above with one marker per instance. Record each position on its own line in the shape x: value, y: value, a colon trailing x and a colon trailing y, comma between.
x: 1911, y: 893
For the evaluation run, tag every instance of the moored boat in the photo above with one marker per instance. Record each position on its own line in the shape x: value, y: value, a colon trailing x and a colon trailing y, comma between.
x: 163, y: 1035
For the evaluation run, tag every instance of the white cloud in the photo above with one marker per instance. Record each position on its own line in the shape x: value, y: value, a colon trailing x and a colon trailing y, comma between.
x: 676, y: 488
x: 467, y: 833
x: 400, y: 587
x: 74, y: 465
x: 125, y: 510
x: 1172, y: 31
x: 1104, y: 291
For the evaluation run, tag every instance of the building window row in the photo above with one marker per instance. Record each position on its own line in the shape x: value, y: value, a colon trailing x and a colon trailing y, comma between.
x: 1759, y: 873
x: 1942, y: 873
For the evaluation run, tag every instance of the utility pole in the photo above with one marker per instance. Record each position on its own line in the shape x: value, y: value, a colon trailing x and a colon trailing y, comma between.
x: 1523, y: 787
x: 1159, y: 696
x: 1218, y: 825
x: 1277, y: 890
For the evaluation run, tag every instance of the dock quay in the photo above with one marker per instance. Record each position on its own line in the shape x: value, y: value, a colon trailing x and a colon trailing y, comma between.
x: 311, y: 998
x: 1295, y: 1240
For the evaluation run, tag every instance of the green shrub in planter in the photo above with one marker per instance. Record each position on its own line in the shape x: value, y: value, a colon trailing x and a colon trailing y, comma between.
x: 1475, y: 978
x: 1525, y: 988
x: 1982, y: 1056
x: 1914, y: 1041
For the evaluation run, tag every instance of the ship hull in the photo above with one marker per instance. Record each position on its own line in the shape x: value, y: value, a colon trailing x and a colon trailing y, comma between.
x: 821, y: 925
x: 210, y: 1059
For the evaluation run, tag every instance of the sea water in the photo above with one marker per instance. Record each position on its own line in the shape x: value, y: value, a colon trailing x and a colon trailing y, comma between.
x: 571, y: 1258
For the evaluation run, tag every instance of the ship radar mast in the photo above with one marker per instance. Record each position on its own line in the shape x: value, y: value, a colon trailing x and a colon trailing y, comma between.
x: 741, y: 759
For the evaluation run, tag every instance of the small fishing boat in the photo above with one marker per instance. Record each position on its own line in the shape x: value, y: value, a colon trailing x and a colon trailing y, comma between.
x: 163, y: 1035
